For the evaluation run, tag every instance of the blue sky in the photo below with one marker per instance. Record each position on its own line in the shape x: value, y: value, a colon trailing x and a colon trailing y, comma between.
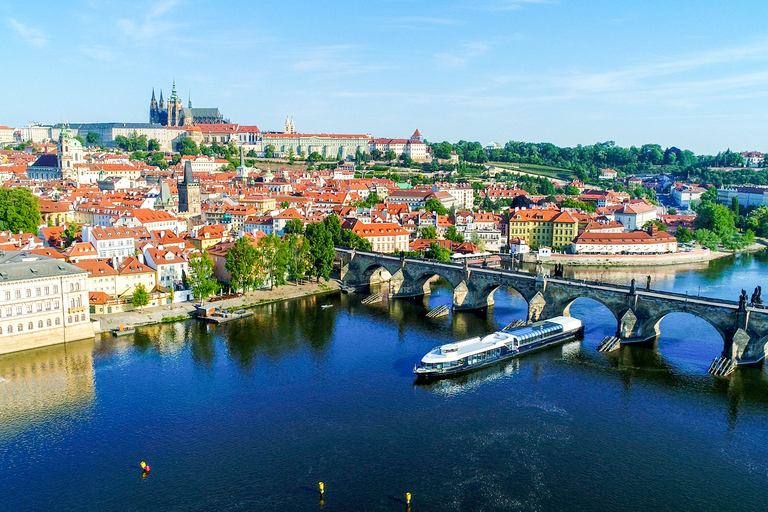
x: 693, y: 74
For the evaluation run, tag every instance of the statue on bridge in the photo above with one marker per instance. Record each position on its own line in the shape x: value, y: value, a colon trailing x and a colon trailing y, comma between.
x: 743, y: 300
x: 756, y: 299
x: 632, y: 290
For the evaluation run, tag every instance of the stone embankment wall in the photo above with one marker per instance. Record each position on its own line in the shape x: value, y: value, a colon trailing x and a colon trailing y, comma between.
x: 628, y: 260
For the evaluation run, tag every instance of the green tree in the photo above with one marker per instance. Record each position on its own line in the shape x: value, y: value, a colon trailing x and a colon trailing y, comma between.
x: 70, y: 233
x: 716, y: 218
x: 354, y: 241
x: 92, y: 138
x: 157, y: 159
x: 291, y: 156
x: 140, y: 297
x: 434, y: 205
x: 391, y: 155
x: 683, y: 235
x: 570, y: 190
x: 672, y: 211
x: 188, y: 147
x: 453, y: 235
x: 321, y: 253
x: 372, y: 200
x: 569, y: 202
x: 333, y: 226
x: 80, y: 140
x: 153, y: 145
x: 269, y: 152
x: 735, y: 205
x: 19, y: 210
x: 271, y: 261
x: 315, y: 157
x: 479, y: 242
x: 123, y: 143
x: 297, y: 256
x: 428, y: 233
x: 707, y: 238
x: 435, y: 252
x: 241, y: 264
x: 200, y: 278
x: 659, y: 225
x: 294, y: 226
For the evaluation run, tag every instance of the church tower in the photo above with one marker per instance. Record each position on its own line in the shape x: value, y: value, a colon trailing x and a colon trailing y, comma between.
x: 174, y: 108
x: 154, y: 111
x: 189, y: 193
x: 70, y: 153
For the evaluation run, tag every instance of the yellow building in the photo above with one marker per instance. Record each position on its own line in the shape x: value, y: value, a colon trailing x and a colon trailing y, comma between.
x: 208, y: 236
x: 132, y: 272
x: 543, y: 228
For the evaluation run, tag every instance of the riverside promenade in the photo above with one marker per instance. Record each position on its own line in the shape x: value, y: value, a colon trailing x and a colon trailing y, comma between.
x: 157, y: 314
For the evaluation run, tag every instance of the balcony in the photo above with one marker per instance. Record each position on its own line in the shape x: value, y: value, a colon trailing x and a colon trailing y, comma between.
x: 78, y: 309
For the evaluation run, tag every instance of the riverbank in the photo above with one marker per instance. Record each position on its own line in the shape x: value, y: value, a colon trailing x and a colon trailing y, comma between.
x: 641, y: 260
x: 185, y: 310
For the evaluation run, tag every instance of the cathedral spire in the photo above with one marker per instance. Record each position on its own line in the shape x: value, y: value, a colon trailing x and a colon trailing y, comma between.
x: 162, y: 103
x: 190, y: 100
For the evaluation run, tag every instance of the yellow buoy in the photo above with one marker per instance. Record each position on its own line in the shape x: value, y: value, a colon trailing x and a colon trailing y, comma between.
x: 407, y: 498
x: 322, y: 488
x: 143, y: 465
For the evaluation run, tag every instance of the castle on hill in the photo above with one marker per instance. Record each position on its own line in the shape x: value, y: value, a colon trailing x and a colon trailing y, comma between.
x: 173, y: 114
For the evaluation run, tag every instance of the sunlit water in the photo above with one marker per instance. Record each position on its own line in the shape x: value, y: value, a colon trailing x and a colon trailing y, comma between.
x: 252, y: 415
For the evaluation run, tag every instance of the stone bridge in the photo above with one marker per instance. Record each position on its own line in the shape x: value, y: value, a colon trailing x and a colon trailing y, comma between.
x: 638, y: 312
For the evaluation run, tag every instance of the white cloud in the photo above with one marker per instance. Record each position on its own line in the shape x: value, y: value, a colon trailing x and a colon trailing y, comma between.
x: 464, y: 54
x: 33, y: 36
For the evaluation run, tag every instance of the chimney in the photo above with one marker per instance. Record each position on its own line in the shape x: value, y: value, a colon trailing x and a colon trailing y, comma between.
x: 140, y: 257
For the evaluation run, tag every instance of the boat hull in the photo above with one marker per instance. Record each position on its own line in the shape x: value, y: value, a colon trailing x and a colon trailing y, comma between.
x: 532, y: 347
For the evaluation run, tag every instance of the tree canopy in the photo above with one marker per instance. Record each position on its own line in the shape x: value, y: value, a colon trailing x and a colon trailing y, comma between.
x: 200, y: 278
x: 19, y: 210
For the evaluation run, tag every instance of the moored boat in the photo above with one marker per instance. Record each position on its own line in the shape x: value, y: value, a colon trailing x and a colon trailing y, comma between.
x: 473, y: 353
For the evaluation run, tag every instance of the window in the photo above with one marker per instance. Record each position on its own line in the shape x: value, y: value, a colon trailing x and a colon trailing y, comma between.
x: 55, y: 304
x: 7, y: 295
x: 57, y: 321
x: 71, y: 287
x: 46, y: 290
x: 18, y: 310
x: 19, y: 328
x: 28, y: 292
x: 37, y: 292
x: 47, y: 306
x: 77, y: 286
x: 18, y: 294
x: 72, y: 303
x: 39, y: 324
x: 8, y: 311
x: 69, y: 319
x: 29, y: 308
x: 30, y: 326
x: 10, y: 329
x: 1, y: 330
x: 77, y: 318
x: 48, y: 323
x: 55, y: 288
x: 39, y: 307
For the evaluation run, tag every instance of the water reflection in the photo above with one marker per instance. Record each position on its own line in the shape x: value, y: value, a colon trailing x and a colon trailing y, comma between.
x: 38, y: 384
x: 283, y: 327
x: 470, y: 381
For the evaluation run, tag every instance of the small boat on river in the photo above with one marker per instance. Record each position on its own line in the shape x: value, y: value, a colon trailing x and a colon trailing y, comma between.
x: 212, y: 314
x: 470, y: 354
x: 121, y: 330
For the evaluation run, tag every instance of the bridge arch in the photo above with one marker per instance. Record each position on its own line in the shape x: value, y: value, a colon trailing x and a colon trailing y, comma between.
x: 375, y: 273
x: 651, y: 327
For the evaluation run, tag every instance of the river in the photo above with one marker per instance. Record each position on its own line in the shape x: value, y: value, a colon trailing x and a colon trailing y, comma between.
x: 252, y: 415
